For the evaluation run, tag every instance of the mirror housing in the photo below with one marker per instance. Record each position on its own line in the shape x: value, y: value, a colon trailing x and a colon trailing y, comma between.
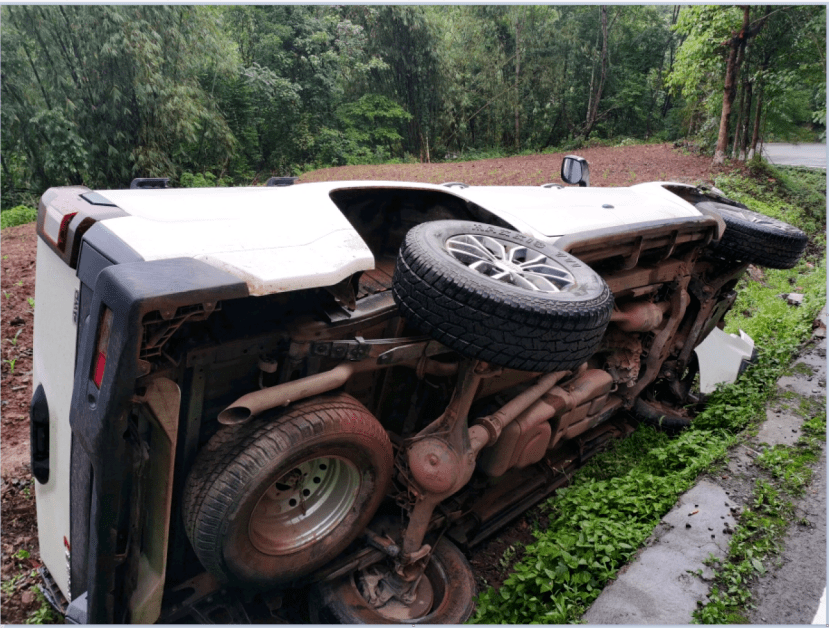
x: 575, y: 170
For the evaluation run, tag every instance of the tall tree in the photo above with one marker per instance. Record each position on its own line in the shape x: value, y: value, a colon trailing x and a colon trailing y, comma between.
x: 405, y: 37
x: 781, y: 70
x: 737, y: 48
x: 595, y: 93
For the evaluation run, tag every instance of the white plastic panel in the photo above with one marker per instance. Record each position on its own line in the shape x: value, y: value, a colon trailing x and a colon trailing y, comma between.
x: 720, y: 356
x: 295, y: 237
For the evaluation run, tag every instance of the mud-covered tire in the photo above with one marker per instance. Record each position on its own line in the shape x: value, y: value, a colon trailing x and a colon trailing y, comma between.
x: 538, y: 317
x: 328, y: 455
x: 449, y: 574
x: 755, y: 238
x: 661, y: 416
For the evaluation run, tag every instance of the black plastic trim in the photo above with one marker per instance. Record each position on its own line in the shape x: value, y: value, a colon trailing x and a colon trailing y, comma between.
x: 109, y: 245
x: 145, y: 183
x: 77, y: 613
x: 99, y: 418
x: 281, y: 181
x: 96, y: 198
x: 39, y: 435
x: 80, y: 496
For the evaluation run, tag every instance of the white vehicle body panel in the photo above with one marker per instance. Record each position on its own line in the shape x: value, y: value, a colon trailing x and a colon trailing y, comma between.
x: 554, y: 212
x: 289, y: 238
x: 273, y: 239
x: 720, y: 356
x: 54, y: 368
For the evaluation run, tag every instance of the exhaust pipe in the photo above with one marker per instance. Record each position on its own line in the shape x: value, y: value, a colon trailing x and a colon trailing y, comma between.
x: 256, y: 402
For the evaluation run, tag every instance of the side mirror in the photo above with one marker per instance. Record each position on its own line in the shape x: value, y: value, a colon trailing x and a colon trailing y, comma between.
x: 575, y: 170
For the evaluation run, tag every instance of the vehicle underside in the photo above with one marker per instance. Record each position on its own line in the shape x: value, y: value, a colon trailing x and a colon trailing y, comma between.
x: 352, y: 438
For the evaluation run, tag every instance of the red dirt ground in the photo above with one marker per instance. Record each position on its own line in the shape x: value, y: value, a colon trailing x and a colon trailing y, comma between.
x: 621, y: 166
x: 618, y: 166
x: 18, y: 539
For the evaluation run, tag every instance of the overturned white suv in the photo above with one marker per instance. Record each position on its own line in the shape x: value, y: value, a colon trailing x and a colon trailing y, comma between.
x: 248, y: 396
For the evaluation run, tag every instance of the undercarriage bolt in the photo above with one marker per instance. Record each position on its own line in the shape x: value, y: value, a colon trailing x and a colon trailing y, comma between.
x: 383, y: 544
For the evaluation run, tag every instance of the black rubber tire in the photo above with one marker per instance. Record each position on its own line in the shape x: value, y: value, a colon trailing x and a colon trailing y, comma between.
x: 660, y: 416
x: 483, y: 318
x: 755, y: 238
x: 239, y: 464
x: 340, y: 600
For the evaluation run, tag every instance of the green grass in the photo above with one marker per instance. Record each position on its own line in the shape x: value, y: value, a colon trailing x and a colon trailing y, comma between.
x: 18, y: 215
x: 44, y: 614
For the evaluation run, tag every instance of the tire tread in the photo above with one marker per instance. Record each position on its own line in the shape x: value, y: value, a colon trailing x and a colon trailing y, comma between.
x: 500, y: 326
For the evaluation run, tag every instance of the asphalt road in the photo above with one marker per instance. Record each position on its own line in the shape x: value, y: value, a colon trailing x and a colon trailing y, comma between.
x: 809, y: 155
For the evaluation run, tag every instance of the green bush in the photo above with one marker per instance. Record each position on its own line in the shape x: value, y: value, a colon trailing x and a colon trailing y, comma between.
x: 17, y: 215
x: 202, y: 180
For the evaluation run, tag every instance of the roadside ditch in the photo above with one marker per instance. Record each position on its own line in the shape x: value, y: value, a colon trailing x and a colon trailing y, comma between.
x: 747, y: 543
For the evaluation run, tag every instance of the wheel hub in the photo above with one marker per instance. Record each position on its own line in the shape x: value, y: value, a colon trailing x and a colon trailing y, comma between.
x: 396, y: 610
x: 394, y: 598
x: 511, y: 263
x: 303, y: 505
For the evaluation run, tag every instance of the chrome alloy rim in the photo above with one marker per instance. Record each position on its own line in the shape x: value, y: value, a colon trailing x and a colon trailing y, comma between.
x: 303, y: 505
x: 510, y: 263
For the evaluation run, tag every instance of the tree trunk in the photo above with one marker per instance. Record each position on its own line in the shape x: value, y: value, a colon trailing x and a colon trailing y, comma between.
x: 729, y: 89
x: 738, y: 123
x: 746, y: 118
x: 593, y: 108
x: 667, y: 100
x: 756, y: 129
x: 518, y: 63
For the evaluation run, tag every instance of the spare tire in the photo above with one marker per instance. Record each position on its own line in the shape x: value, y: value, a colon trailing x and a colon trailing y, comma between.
x: 270, y: 501
x: 755, y: 238
x: 499, y: 296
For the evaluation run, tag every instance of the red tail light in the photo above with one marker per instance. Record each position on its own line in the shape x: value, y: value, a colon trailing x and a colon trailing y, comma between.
x: 64, y: 228
x: 100, y: 364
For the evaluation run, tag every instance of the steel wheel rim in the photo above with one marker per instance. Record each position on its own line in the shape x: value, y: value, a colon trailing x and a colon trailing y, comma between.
x: 303, y: 505
x: 510, y: 263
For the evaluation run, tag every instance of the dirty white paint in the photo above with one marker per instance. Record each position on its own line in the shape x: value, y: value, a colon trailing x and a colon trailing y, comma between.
x: 53, y: 368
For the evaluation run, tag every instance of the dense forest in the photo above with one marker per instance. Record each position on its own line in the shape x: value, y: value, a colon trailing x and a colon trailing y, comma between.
x: 100, y: 94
